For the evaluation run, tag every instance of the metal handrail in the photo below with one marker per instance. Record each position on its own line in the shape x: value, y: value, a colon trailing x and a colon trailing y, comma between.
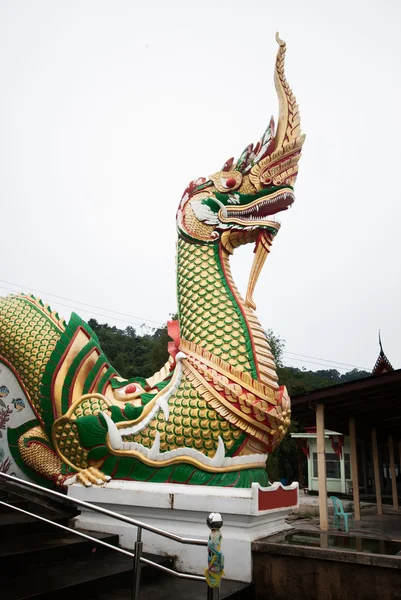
x: 212, y: 593
x: 105, y: 511
x: 97, y: 541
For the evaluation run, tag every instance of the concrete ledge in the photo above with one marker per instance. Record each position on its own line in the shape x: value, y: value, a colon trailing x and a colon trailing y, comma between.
x: 282, y: 571
x: 343, y: 556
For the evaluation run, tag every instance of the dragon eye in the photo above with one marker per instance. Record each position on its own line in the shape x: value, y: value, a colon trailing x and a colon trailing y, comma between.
x: 231, y: 182
x: 131, y: 389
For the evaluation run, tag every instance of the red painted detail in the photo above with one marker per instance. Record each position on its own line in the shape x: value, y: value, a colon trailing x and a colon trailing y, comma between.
x: 303, y: 444
x: 173, y: 329
x: 131, y: 389
x: 231, y: 182
x: 337, y: 445
x: 310, y: 429
x: 228, y: 165
x: 103, y: 390
x: 193, y: 185
x: 12, y: 369
x: 235, y: 403
x: 279, y: 498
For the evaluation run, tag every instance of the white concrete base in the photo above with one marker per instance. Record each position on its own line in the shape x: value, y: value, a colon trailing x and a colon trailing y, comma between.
x: 183, y: 509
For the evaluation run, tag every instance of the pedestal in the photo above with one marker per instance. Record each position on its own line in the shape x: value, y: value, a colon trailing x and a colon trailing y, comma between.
x: 248, y: 514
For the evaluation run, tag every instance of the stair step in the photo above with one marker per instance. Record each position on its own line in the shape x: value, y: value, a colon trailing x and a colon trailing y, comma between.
x: 20, y: 503
x: 166, y: 587
x: 14, y: 523
x: 80, y: 577
x: 34, y: 549
x: 8, y: 496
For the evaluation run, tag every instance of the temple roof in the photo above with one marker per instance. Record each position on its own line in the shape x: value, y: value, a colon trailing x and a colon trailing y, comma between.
x: 382, y: 364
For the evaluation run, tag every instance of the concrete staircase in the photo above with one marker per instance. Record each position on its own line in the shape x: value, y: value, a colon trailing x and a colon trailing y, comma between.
x: 40, y: 561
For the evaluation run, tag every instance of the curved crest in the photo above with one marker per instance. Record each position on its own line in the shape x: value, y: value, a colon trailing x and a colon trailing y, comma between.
x: 289, y: 121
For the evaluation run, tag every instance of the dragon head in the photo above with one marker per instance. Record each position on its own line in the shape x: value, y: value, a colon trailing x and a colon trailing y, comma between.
x: 238, y: 204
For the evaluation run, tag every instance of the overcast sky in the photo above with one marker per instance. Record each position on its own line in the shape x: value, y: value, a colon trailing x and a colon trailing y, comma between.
x: 109, y: 108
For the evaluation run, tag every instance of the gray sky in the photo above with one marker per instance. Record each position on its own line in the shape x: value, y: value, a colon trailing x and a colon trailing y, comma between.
x: 109, y: 108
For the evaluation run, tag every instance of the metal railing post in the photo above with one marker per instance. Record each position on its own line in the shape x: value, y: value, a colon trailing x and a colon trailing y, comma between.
x: 215, y: 569
x: 136, y: 583
x: 213, y: 593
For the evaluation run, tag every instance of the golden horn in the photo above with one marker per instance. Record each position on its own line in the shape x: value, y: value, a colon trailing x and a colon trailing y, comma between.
x: 289, y: 121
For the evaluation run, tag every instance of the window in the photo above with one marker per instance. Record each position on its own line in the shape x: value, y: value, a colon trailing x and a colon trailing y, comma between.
x: 315, y: 474
x: 347, y: 466
x: 332, y: 466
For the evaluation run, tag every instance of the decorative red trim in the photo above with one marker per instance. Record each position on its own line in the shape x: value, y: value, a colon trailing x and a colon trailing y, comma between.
x: 14, y: 372
x: 280, y: 498
x: 241, y: 309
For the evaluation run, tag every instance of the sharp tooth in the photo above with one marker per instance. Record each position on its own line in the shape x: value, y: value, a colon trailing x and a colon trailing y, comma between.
x: 218, y: 458
x: 114, y: 435
x: 155, y: 449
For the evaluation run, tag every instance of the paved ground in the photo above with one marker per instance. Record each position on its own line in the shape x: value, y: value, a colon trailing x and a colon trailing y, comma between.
x: 372, y: 525
x: 309, y: 505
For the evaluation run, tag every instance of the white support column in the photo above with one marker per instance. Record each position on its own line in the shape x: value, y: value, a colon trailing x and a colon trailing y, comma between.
x: 392, y: 471
x: 378, y: 489
x: 354, y: 467
x: 321, y: 467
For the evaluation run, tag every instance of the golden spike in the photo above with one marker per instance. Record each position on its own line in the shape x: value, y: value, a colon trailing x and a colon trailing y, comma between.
x: 262, y: 248
x: 289, y: 122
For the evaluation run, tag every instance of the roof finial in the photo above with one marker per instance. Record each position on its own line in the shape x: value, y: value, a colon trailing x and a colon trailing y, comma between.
x: 383, y: 364
x: 380, y: 344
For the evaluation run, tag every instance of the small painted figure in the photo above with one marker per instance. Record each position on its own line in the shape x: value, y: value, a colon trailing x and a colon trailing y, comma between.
x: 18, y: 403
x: 4, y: 391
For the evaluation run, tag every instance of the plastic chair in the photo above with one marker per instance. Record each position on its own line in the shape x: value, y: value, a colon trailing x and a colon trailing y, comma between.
x: 340, y: 512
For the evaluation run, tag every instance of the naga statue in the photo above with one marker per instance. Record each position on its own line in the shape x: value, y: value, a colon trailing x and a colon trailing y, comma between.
x: 215, y: 410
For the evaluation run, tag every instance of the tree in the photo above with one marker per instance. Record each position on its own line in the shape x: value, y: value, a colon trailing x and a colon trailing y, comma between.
x: 277, y: 345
